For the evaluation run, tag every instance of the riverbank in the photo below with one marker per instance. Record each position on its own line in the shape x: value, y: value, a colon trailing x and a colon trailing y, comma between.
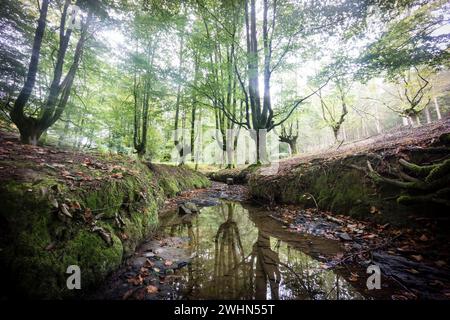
x: 388, y: 193
x: 61, y: 208
x: 235, y: 249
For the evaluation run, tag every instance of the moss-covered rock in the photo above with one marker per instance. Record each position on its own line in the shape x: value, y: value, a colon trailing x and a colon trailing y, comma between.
x: 47, y: 224
x: 172, y: 180
x: 239, y: 175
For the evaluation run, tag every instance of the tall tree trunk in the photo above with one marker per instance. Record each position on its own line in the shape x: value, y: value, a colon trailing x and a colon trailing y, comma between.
x: 427, y: 114
x: 438, y: 110
x: 27, y: 127
x: 178, y: 101
x: 417, y: 119
x: 32, y: 128
x: 194, y: 110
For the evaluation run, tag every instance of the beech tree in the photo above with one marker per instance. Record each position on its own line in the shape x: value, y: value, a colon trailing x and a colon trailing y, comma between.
x: 32, y: 124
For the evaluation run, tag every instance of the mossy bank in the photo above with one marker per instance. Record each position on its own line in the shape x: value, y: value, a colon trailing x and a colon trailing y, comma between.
x: 400, y: 185
x: 90, y: 212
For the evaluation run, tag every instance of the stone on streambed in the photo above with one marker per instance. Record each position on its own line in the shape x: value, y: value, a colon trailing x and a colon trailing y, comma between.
x: 138, y: 262
x: 207, y: 202
x: 171, y: 248
x: 187, y: 208
x: 344, y: 236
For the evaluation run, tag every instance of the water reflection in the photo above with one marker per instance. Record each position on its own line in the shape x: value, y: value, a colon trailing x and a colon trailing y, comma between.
x: 241, y: 254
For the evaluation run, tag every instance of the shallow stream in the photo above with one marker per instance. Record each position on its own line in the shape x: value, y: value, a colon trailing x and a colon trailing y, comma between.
x: 238, y: 252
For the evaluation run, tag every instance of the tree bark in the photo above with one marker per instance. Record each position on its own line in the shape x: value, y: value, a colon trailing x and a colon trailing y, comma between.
x: 438, y: 110
x: 177, y: 103
x: 32, y: 128
x: 427, y: 114
x: 29, y: 134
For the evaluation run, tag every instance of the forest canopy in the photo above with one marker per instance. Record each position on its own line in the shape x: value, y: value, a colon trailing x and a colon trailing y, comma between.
x: 162, y: 79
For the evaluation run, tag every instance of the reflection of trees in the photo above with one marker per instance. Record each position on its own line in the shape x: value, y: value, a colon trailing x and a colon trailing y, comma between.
x: 236, y: 260
x: 231, y: 272
x: 267, y: 262
x: 308, y: 281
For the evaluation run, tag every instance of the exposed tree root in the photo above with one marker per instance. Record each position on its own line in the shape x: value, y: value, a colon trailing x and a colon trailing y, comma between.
x: 422, y: 184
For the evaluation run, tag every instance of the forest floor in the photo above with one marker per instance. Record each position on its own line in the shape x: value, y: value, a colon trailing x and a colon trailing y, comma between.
x: 395, y: 140
x: 21, y: 162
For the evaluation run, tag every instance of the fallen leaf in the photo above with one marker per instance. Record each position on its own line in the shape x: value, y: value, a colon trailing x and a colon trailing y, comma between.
x: 354, y: 277
x: 143, y: 272
x: 398, y: 297
x: 55, y: 203
x: 65, y: 210
x: 423, y: 238
x: 417, y: 257
x: 404, y: 249
x: 148, y: 264
x: 136, y: 281
x: 151, y: 289
x: 127, y: 294
x: 437, y: 283
x: 105, y: 235
x: 50, y: 247
x: 413, y: 271
x: 117, y: 175
x: 440, y: 263
x: 87, y: 216
x: 75, y: 205
x: 168, y: 263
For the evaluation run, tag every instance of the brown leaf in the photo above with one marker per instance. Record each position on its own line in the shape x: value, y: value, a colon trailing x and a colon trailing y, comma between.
x: 440, y: 263
x: 50, y: 247
x: 136, y: 281
x: 417, y: 257
x: 105, y: 235
x: 423, y: 238
x: 117, y: 175
x: 143, y: 272
x: 148, y: 264
x: 398, y: 297
x: 151, y: 289
x: 127, y: 294
x: 87, y: 216
x: 75, y: 205
x: 354, y: 277
x: 168, y: 263
x: 404, y: 249
x: 413, y: 271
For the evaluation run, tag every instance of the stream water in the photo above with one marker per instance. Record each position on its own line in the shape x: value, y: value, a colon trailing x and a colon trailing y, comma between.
x: 238, y: 252
x: 235, y: 250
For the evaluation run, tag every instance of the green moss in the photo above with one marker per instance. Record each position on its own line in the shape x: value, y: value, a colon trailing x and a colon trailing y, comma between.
x: 37, y: 245
x: 237, y: 174
x: 95, y: 258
